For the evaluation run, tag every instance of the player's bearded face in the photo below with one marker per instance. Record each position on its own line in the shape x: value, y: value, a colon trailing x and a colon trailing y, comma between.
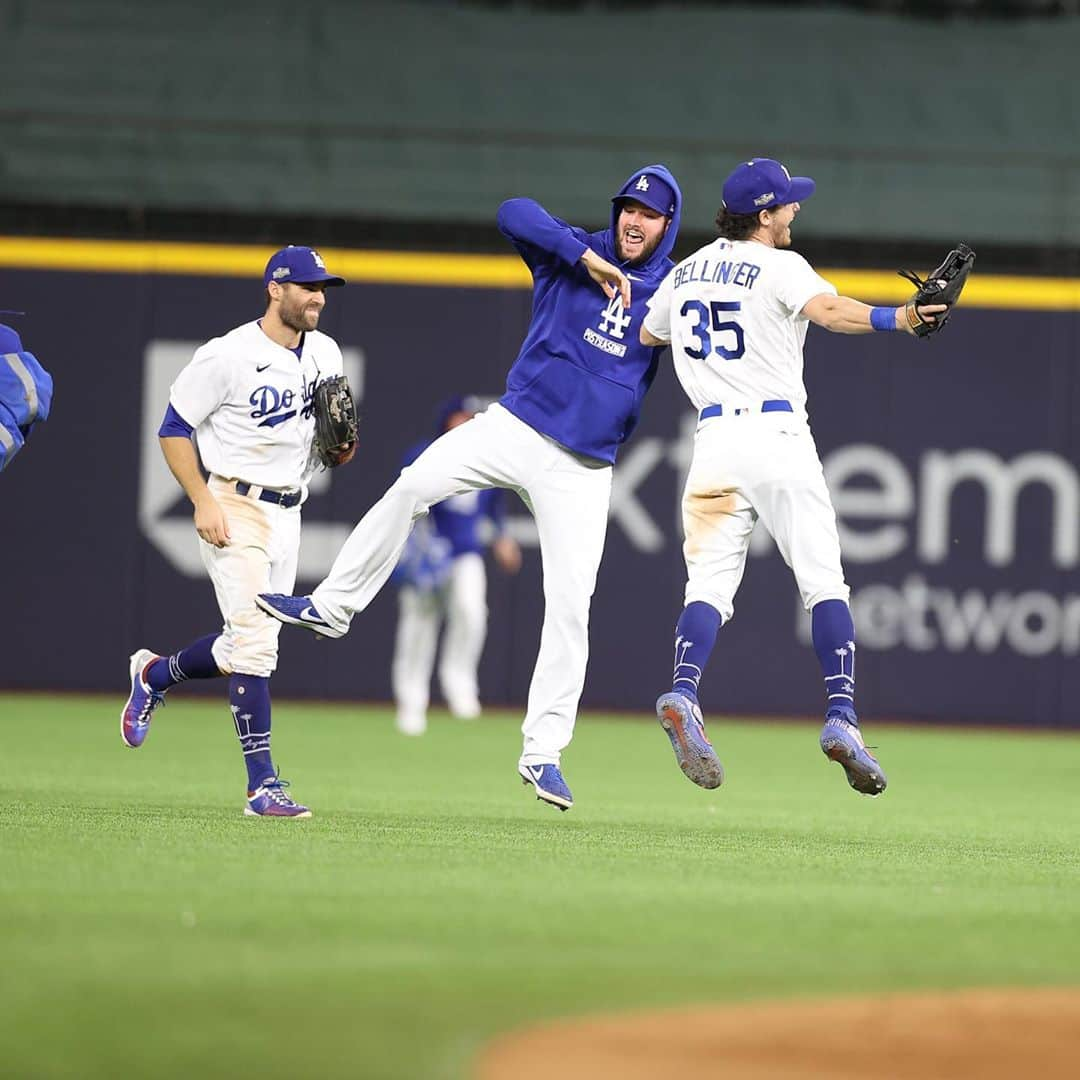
x: 301, y: 305
x: 638, y: 231
x: 780, y: 224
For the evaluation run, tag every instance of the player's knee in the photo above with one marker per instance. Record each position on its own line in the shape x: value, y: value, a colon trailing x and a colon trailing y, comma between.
x: 254, y: 658
x: 724, y: 604
x: 834, y: 591
x: 418, y: 489
x: 249, y: 646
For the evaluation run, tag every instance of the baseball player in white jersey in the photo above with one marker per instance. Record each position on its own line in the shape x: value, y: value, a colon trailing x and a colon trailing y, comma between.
x: 247, y: 398
x: 736, y: 314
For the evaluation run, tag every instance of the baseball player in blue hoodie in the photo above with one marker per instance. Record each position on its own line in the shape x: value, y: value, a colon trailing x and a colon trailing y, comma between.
x: 573, y: 396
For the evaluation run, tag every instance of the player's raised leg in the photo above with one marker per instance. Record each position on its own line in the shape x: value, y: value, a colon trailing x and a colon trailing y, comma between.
x: 481, y: 453
x: 152, y: 675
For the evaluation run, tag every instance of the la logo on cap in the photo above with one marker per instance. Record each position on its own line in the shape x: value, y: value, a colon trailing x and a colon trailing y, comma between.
x: 642, y: 184
x: 318, y: 260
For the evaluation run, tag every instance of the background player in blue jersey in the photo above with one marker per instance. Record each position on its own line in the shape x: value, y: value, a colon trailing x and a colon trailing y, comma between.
x: 443, y: 583
x: 572, y: 397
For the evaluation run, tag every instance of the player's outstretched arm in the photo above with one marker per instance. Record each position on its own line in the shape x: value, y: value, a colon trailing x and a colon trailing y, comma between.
x: 607, y: 275
x: 845, y: 315
x: 210, y: 521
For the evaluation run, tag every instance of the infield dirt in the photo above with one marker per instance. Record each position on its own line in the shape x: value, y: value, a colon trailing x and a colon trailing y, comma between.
x: 965, y: 1035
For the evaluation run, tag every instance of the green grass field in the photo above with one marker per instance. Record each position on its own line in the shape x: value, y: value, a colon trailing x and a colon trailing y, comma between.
x: 147, y: 929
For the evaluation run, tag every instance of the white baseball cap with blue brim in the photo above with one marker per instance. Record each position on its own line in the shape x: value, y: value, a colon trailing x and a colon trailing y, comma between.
x: 299, y: 265
x: 762, y: 184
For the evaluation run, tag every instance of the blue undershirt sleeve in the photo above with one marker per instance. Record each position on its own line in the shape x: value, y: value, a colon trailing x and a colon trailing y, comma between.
x: 174, y: 425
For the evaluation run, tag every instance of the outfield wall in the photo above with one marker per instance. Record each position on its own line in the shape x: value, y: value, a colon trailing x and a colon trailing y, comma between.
x: 955, y: 466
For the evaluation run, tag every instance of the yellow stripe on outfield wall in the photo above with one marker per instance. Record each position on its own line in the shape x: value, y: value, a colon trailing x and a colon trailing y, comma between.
x: 465, y: 271
x: 221, y: 260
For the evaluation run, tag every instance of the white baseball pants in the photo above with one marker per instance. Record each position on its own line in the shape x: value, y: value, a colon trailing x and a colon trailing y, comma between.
x: 261, y: 558
x: 462, y: 601
x: 567, y: 494
x: 749, y: 466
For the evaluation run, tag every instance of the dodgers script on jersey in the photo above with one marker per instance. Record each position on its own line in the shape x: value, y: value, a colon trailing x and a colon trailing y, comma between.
x: 249, y: 400
x: 732, y: 312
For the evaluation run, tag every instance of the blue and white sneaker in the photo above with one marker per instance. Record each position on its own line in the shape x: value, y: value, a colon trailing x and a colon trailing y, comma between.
x: 296, y: 611
x: 548, y: 783
x: 842, y: 741
x: 141, y: 703
x: 681, y: 719
x: 270, y: 799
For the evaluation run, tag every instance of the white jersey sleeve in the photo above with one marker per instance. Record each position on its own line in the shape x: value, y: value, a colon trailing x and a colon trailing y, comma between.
x: 204, y: 384
x: 800, y: 283
x: 658, y: 319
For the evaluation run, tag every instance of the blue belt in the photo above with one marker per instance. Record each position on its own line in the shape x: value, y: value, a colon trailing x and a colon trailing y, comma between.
x: 278, y: 498
x: 776, y: 405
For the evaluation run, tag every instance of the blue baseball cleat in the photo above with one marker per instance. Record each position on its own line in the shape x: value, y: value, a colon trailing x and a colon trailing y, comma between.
x: 681, y: 719
x: 141, y: 702
x: 296, y: 611
x: 270, y: 799
x: 842, y: 741
x: 548, y: 783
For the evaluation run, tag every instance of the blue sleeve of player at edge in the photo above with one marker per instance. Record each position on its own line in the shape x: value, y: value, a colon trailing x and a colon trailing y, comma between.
x: 174, y: 425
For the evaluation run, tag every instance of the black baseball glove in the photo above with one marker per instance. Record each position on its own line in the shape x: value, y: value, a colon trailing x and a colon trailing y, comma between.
x: 335, y: 421
x: 943, y: 286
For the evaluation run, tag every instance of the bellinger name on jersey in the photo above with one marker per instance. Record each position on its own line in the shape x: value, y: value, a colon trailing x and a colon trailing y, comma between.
x: 725, y: 271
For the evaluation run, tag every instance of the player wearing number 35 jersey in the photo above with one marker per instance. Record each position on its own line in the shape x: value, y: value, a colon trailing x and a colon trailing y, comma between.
x: 736, y: 313
x: 572, y: 397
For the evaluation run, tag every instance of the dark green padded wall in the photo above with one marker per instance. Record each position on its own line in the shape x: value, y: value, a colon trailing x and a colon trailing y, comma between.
x: 913, y: 128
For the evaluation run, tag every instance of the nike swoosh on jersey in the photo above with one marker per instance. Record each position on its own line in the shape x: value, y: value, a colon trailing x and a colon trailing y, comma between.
x: 263, y: 368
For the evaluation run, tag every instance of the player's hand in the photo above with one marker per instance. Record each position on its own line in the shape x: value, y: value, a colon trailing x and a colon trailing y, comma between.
x: 608, y: 276
x: 507, y: 554
x: 928, y: 312
x: 211, y: 523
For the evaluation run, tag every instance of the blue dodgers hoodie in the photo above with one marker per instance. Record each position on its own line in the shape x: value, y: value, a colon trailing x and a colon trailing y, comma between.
x: 581, y: 375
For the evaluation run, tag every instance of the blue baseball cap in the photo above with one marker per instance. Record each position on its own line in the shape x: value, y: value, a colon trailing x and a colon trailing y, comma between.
x: 761, y: 184
x: 300, y: 265
x: 647, y: 188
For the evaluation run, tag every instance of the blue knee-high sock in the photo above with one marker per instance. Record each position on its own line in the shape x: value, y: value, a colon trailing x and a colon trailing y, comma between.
x: 249, y: 699
x: 695, y: 636
x: 196, y: 661
x: 834, y: 641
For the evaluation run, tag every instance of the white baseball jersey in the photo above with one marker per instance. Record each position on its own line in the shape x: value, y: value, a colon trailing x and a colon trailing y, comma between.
x: 249, y: 400
x: 732, y: 312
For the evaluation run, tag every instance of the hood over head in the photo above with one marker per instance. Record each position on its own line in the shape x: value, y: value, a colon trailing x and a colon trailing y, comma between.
x: 655, y: 187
